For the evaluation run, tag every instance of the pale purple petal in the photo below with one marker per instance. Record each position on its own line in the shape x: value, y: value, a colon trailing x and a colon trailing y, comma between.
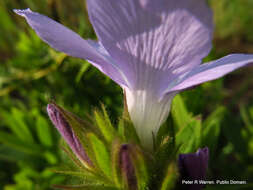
x: 153, y: 40
x: 210, y: 71
x: 67, y: 133
x: 69, y: 42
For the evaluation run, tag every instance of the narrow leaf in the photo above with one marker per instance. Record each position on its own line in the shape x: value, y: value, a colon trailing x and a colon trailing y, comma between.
x: 104, y: 124
x: 127, y: 131
x: 116, y: 163
x: 43, y: 131
x: 185, y: 138
x: 179, y: 112
x: 15, y: 143
x: 15, y: 121
x: 101, y: 154
x: 140, y: 167
x: 170, y: 178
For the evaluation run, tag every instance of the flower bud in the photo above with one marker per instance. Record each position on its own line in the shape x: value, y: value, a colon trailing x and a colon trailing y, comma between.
x: 193, y: 166
x: 127, y: 167
x: 57, y: 117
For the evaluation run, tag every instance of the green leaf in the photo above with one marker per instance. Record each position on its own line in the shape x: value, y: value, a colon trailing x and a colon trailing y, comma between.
x: 170, y: 178
x: 17, y: 144
x: 127, y: 131
x: 179, y: 112
x: 247, y: 118
x: 217, y: 115
x: 101, y: 154
x: 141, y: 169
x: 43, y: 131
x: 164, y: 155
x: 233, y: 133
x: 84, y: 68
x: 188, y: 137
x: 212, y: 126
x: 165, y: 132
x: 11, y: 155
x: 104, y: 124
x: 50, y: 157
x: 86, y: 177
x: 15, y: 121
x: 116, y: 170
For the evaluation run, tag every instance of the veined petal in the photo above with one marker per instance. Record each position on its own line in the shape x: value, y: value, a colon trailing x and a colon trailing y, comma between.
x: 211, y: 71
x: 148, y: 113
x: 145, y: 36
x: 153, y: 41
x: 69, y: 42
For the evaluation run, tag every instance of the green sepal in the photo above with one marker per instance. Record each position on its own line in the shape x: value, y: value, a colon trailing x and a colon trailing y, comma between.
x: 141, y: 169
x: 104, y: 124
x: 116, y: 170
x: 212, y: 125
x: 180, y: 114
x: 102, y: 155
x: 75, y: 168
x: 127, y: 131
x: 164, y: 155
x: 189, y: 137
x: 166, y: 131
x: 170, y: 178
x: 84, y: 177
x: 72, y: 156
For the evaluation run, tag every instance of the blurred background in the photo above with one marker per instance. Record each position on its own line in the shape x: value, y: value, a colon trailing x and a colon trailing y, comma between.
x: 32, y: 74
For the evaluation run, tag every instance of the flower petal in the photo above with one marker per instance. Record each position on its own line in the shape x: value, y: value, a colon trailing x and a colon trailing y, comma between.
x: 69, y: 42
x: 211, y: 71
x: 147, y: 113
x: 145, y: 36
x: 153, y: 41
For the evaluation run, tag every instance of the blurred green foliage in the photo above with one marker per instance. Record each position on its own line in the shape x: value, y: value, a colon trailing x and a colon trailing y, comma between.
x: 31, y: 73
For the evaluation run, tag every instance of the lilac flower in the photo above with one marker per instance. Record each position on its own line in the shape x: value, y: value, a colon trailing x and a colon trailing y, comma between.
x: 193, y: 166
x: 68, y: 134
x: 152, y: 49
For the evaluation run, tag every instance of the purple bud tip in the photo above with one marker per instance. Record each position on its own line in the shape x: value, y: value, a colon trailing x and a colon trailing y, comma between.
x: 22, y: 12
x: 127, y: 167
x: 64, y: 128
x: 193, y: 166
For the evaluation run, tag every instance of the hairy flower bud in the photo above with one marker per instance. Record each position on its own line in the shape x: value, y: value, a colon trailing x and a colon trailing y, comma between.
x: 193, y: 166
x: 64, y: 127
x: 127, y: 167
